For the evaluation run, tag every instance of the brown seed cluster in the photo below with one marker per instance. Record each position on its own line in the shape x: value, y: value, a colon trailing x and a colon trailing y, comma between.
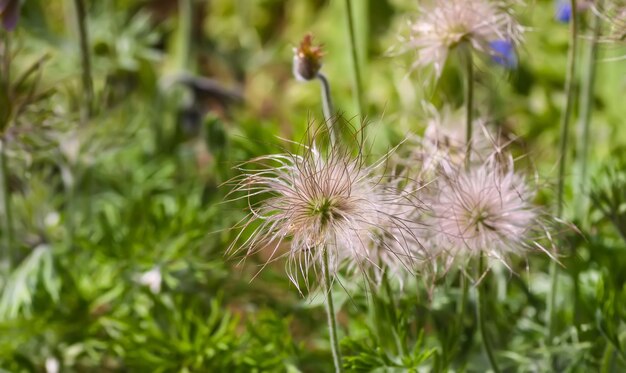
x: 307, y: 59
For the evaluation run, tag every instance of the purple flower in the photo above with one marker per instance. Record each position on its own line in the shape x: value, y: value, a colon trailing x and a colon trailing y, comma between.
x: 563, y: 11
x: 9, y: 13
x: 503, y: 53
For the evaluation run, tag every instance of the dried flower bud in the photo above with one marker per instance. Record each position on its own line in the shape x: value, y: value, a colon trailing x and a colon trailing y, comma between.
x: 307, y: 59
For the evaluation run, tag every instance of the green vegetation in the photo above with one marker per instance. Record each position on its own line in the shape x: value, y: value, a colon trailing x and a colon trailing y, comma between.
x: 122, y: 124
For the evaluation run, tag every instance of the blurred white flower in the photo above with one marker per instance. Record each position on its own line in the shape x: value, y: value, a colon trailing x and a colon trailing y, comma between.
x: 445, y: 138
x: 152, y: 279
x: 52, y: 365
x: 444, y: 144
x: 322, y: 201
x: 445, y: 24
x: 52, y: 219
x: 70, y: 147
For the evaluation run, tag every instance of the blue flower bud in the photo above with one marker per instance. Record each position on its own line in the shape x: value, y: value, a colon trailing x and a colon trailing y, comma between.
x: 563, y: 11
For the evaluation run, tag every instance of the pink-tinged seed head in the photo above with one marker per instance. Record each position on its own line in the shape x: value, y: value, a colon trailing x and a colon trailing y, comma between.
x: 326, y: 201
x: 446, y: 24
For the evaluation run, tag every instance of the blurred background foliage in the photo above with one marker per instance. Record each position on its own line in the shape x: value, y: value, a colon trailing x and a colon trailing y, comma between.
x: 115, y: 261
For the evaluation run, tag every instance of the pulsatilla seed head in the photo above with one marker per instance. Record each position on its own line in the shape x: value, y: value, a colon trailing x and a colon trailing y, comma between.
x: 486, y: 209
x: 318, y: 201
x: 443, y: 25
x: 307, y: 59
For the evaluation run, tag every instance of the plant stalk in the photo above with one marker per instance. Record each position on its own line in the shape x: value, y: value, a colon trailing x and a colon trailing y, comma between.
x: 327, y: 106
x: 185, y: 41
x: 586, y: 109
x: 480, y: 316
x: 357, y: 85
x: 563, y: 149
x: 6, y: 62
x: 83, y: 38
x: 393, y: 316
x: 6, y: 204
x: 330, y: 313
x: 469, y: 120
x: 469, y: 109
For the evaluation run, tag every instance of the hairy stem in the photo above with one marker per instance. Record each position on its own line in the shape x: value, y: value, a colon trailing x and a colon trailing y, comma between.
x: 357, y: 85
x: 330, y: 313
x: 563, y: 150
x: 586, y: 108
x: 83, y: 36
x: 327, y: 106
x: 469, y: 120
x: 469, y: 106
x: 480, y: 316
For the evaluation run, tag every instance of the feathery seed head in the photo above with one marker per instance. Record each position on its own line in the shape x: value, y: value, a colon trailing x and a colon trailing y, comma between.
x: 446, y: 24
x: 320, y: 202
x: 443, y: 143
x: 486, y: 209
x: 397, y: 247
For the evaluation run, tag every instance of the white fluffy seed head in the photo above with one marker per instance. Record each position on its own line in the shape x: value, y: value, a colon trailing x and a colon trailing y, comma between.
x: 445, y: 24
x: 444, y: 144
x: 395, y: 246
x: 318, y: 202
x: 486, y: 209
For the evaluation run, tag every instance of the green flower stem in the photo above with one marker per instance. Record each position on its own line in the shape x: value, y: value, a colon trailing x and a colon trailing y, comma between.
x: 357, y: 85
x: 330, y: 313
x: 469, y: 109
x: 586, y: 108
x: 563, y: 150
x: 463, y: 301
x: 83, y: 36
x: 6, y: 204
x: 6, y: 63
x: 185, y: 34
x: 480, y: 316
x: 608, y: 359
x: 393, y: 316
x: 327, y: 106
x: 469, y: 120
